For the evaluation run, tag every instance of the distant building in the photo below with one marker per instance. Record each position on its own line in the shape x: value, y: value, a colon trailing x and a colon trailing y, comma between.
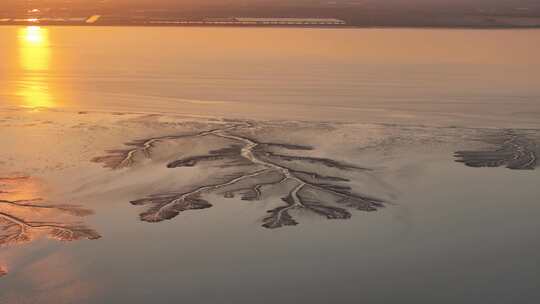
x: 255, y: 21
x: 292, y: 21
x: 93, y: 19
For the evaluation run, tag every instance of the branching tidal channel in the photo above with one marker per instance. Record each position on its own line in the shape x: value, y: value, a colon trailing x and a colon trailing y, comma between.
x: 263, y: 167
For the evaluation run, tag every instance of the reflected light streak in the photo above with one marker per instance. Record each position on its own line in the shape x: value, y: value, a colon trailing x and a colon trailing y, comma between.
x: 35, y: 58
x: 20, y: 188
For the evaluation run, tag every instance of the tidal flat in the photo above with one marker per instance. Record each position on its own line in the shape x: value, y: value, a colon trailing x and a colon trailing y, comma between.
x: 214, y: 165
x: 171, y: 201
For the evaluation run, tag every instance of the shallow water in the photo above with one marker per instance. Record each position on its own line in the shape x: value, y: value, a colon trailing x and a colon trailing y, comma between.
x: 451, y: 77
x: 447, y: 233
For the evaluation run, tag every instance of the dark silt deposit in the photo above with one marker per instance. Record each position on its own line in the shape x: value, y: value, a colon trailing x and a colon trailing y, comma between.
x: 24, y: 221
x: 516, y: 150
x: 301, y: 182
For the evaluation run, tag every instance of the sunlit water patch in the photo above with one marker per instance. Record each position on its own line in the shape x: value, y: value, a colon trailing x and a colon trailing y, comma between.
x: 35, y: 61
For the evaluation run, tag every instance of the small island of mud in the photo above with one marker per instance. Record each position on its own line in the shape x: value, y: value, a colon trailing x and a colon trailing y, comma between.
x: 514, y: 149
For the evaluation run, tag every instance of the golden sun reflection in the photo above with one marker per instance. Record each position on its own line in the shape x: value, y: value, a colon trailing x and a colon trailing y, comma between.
x: 35, y: 58
x: 34, y: 48
x: 36, y: 94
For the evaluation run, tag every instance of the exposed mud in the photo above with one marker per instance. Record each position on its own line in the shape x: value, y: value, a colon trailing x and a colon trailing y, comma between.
x: 262, y: 166
x: 26, y: 220
x: 513, y: 149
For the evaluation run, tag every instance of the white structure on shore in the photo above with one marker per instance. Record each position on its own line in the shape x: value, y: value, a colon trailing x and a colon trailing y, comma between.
x: 257, y: 21
x: 292, y: 21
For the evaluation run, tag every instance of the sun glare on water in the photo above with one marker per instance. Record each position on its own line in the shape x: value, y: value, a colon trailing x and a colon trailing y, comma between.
x: 35, y: 35
x: 35, y: 59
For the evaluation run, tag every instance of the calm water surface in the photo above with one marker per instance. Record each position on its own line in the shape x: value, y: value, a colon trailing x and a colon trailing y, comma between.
x: 458, y: 77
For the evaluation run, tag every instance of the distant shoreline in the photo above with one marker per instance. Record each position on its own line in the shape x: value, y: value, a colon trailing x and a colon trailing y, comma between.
x: 347, y: 26
x: 289, y: 21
